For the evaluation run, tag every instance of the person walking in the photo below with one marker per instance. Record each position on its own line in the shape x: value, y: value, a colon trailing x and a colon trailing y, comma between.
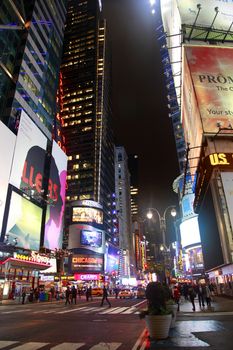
x: 192, y: 296
x: 201, y: 293
x: 73, y: 295
x: 105, y: 297
x: 176, y: 296
x: 23, y: 295
x: 208, y: 296
x: 67, y: 295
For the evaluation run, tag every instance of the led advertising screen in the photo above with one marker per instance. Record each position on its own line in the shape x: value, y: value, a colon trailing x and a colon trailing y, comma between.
x: 6, y: 155
x: 24, y: 223
x: 211, y: 71
x: 84, y: 214
x: 112, y: 259
x: 29, y: 157
x: 91, y: 238
x: 56, y: 200
x: 92, y: 263
x: 86, y: 237
x: 189, y: 232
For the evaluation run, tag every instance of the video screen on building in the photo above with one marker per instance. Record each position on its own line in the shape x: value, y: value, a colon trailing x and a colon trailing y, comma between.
x: 91, y: 238
x: 81, y: 214
x: 189, y: 232
x: 24, y: 223
x: 112, y: 259
x: 56, y: 200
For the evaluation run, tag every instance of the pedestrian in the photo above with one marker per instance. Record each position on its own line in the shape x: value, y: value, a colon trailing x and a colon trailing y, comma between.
x: 208, y: 296
x: 116, y: 291
x: 201, y: 293
x: 176, y: 296
x: 73, y: 295
x: 67, y: 295
x: 105, y: 297
x: 90, y: 292
x: 23, y: 295
x: 80, y: 293
x: 192, y: 295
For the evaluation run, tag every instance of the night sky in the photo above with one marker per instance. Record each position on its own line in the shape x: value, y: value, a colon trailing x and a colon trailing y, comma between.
x: 140, y: 111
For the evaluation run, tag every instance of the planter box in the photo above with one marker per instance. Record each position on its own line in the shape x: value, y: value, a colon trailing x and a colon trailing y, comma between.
x: 158, y: 325
x: 173, y: 309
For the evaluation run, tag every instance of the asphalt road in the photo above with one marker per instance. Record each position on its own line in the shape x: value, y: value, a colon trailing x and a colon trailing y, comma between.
x: 85, y: 326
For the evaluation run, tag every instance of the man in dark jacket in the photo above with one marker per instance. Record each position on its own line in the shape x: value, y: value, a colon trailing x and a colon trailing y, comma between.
x: 105, y: 297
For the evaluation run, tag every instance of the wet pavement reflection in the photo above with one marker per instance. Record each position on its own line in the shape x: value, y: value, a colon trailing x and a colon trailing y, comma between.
x: 182, y: 335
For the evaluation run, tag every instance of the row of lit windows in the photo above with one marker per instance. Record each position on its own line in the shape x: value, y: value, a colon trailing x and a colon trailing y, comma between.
x: 74, y: 156
x: 78, y: 92
x: 81, y: 197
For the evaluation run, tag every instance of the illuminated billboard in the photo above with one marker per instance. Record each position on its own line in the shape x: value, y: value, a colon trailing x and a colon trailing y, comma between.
x: 189, y: 232
x: 112, y: 259
x: 6, y: 155
x: 83, y: 262
x: 91, y: 238
x: 190, y: 117
x: 90, y: 215
x: 56, y: 201
x: 86, y: 237
x: 29, y: 157
x: 24, y: 223
x: 211, y: 72
x: 188, y: 11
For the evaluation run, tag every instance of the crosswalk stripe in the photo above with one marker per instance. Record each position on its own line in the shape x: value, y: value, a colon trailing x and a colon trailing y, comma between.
x: 106, y: 346
x: 131, y: 310
x: 67, y: 311
x: 5, y: 343
x: 30, y: 346
x: 13, y: 311
x: 114, y: 310
x: 67, y: 346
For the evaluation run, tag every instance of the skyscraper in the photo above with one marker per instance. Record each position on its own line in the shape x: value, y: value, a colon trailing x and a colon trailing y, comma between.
x: 86, y: 110
x: 134, y: 190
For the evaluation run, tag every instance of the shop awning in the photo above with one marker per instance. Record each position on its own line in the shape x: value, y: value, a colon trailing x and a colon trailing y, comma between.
x: 17, y: 263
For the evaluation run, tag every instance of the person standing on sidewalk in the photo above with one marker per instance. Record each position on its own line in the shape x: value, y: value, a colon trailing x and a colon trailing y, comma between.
x: 105, y: 297
x: 67, y: 295
x: 73, y: 295
x: 23, y: 295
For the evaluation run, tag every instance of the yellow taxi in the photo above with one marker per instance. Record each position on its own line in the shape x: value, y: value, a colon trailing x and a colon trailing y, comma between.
x: 125, y: 293
x: 97, y: 291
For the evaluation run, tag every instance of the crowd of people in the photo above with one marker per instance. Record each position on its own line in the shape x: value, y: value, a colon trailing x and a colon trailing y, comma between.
x: 203, y: 291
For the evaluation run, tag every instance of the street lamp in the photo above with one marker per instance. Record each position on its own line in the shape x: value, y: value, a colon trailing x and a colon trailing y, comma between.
x: 162, y: 225
x: 162, y: 219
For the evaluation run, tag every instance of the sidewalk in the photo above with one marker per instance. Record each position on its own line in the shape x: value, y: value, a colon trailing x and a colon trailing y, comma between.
x: 198, y: 329
x: 220, y: 304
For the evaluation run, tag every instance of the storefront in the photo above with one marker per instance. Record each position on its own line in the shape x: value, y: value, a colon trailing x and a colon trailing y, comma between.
x: 222, y: 278
x: 21, y: 271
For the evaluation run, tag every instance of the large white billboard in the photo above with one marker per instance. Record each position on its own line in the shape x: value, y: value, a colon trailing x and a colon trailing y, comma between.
x: 29, y: 157
x: 7, y: 144
x: 208, y: 9
x: 56, y: 199
x: 189, y: 232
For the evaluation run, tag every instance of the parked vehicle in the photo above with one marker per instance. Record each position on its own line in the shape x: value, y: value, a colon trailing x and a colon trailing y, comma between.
x: 125, y: 293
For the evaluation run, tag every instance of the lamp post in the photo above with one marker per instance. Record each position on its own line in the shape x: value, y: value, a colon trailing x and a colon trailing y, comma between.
x: 162, y: 226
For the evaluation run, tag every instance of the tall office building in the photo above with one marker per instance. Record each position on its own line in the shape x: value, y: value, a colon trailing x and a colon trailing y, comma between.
x: 134, y: 184
x: 33, y: 176
x: 86, y: 111
x: 123, y: 206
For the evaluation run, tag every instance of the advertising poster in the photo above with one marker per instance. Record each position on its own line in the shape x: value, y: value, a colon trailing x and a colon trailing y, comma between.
x: 188, y: 11
x: 86, y: 237
x: 92, y: 263
x: 6, y: 155
x: 112, y: 259
x: 211, y: 71
x: 227, y: 181
x: 56, y: 194
x: 29, y: 157
x: 85, y: 214
x: 24, y: 223
x: 190, y: 117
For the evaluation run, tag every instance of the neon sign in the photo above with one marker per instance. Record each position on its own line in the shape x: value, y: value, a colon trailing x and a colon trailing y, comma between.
x: 33, y: 258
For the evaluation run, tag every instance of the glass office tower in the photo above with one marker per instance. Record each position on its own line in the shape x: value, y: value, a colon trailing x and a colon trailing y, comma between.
x: 86, y: 110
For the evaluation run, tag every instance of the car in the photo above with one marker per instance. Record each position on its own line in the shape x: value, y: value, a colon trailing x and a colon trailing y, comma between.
x: 141, y: 293
x: 97, y: 291
x: 125, y: 293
